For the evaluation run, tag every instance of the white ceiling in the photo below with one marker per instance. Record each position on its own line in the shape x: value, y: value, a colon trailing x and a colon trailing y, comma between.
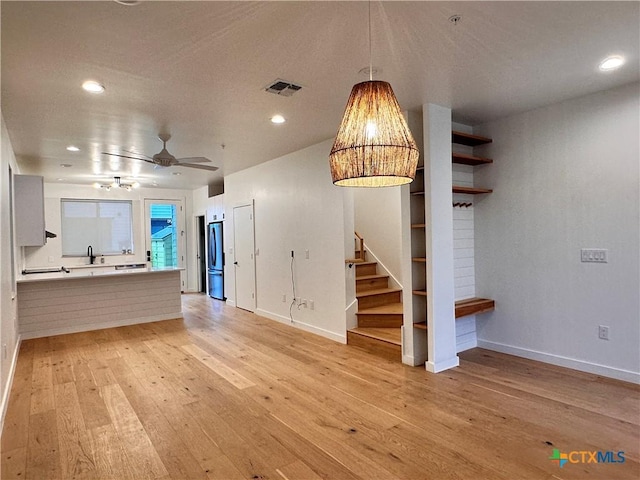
x: 197, y: 70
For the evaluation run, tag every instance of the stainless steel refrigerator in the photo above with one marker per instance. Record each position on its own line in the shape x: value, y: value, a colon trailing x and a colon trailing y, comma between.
x: 215, y: 261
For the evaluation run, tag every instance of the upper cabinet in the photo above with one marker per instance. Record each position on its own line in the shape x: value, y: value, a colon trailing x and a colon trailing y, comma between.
x: 29, y: 210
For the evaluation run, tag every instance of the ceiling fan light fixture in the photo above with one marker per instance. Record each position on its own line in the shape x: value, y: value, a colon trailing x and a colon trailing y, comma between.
x: 73, y: 148
x: 374, y: 146
x: 278, y: 119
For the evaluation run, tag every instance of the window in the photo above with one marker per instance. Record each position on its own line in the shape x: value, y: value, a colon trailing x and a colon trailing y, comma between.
x: 106, y: 225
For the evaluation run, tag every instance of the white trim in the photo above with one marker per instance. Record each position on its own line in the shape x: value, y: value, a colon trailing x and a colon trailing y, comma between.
x: 410, y: 360
x: 467, y: 345
x: 230, y: 302
x: 350, y: 313
x: 99, y: 326
x: 442, y: 366
x: 394, y: 280
x: 581, y: 365
x: 7, y: 392
x: 303, y: 326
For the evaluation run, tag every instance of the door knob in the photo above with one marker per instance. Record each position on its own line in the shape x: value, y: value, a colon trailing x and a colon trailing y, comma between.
x: 235, y: 263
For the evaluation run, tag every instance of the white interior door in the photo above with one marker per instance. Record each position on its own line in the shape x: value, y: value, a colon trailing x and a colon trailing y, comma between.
x: 164, y: 234
x: 244, y: 259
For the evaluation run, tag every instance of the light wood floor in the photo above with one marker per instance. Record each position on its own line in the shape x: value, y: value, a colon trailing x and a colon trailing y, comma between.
x: 225, y: 394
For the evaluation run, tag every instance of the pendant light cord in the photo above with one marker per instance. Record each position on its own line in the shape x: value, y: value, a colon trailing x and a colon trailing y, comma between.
x: 370, y: 54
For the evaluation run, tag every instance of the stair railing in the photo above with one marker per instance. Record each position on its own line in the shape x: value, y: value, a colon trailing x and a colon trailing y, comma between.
x: 359, y: 243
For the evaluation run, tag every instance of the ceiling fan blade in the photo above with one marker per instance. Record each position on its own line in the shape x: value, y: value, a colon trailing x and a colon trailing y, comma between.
x: 193, y: 160
x: 126, y: 156
x: 201, y: 167
x: 136, y: 153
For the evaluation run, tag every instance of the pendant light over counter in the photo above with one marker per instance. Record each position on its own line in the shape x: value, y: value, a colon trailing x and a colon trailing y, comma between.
x: 374, y: 146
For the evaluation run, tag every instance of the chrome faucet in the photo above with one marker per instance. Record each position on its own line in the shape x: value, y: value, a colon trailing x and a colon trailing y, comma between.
x: 92, y: 257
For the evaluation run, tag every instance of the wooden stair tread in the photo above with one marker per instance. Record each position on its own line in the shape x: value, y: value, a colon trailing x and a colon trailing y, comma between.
x: 370, y: 277
x: 390, y: 309
x: 473, y: 306
x: 421, y: 325
x: 420, y: 292
x: 377, y: 291
x: 419, y: 259
x: 418, y: 225
x: 388, y: 335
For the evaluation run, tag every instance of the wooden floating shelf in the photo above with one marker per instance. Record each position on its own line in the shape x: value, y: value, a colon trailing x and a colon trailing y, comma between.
x: 419, y: 259
x: 470, y: 190
x: 418, y: 225
x: 473, y: 306
x: 464, y: 159
x: 422, y: 293
x: 417, y: 193
x: 421, y: 325
x: 468, y: 139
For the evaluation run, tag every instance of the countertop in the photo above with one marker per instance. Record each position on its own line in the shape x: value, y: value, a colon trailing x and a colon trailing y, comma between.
x: 94, y: 271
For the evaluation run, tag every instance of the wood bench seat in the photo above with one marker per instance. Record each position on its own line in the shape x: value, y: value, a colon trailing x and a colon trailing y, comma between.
x: 473, y: 306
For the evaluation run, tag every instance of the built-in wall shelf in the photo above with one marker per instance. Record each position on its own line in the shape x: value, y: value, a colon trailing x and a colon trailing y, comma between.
x: 422, y: 293
x: 419, y: 259
x: 464, y: 159
x: 468, y: 139
x: 473, y: 306
x: 418, y: 225
x: 470, y: 190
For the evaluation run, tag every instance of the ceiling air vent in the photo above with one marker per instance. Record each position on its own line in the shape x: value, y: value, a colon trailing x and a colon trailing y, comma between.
x: 282, y: 87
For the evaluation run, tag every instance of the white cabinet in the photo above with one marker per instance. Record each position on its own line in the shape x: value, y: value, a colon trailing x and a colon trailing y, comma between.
x: 29, y: 210
x: 215, y: 211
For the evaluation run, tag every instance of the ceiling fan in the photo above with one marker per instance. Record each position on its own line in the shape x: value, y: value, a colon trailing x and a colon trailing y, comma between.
x: 165, y: 159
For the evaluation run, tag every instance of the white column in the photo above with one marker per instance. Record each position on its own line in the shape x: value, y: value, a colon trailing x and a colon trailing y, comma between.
x: 441, y: 327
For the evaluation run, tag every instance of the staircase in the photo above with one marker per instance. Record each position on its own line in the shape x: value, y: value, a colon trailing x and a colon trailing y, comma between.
x: 379, y: 311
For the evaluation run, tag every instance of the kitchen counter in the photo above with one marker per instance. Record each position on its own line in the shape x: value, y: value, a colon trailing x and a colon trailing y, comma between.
x: 95, y: 297
x: 93, y: 271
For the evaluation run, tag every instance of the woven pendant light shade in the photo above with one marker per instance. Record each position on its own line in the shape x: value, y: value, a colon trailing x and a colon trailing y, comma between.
x: 374, y: 146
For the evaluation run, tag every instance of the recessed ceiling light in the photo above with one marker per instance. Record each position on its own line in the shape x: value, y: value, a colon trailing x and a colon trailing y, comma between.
x: 177, y: 173
x: 59, y: 179
x: 92, y: 86
x: 611, y: 63
x: 73, y: 148
x: 66, y: 165
x: 277, y: 119
x: 128, y: 3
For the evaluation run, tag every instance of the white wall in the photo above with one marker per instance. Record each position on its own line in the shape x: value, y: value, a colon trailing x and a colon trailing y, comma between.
x: 378, y: 214
x: 296, y: 208
x: 565, y: 177
x: 9, y: 341
x: 51, y: 253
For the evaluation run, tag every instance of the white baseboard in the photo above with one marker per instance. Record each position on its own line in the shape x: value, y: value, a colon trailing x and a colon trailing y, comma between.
x: 231, y: 303
x: 303, y: 326
x: 581, y: 365
x: 99, y: 326
x: 442, y: 366
x: 7, y: 391
x: 461, y: 346
x: 410, y: 360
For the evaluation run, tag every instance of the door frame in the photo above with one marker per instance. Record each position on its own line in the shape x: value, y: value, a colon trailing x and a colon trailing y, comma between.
x: 201, y: 252
x: 253, y: 228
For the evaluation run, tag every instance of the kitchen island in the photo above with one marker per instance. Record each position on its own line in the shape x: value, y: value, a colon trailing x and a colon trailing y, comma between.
x: 83, y: 299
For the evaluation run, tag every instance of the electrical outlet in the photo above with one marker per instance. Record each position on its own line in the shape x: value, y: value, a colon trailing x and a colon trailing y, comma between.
x: 4, y: 351
x: 304, y: 302
x: 603, y: 332
x: 306, y: 254
x: 284, y: 298
x: 593, y: 255
x: 51, y: 260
